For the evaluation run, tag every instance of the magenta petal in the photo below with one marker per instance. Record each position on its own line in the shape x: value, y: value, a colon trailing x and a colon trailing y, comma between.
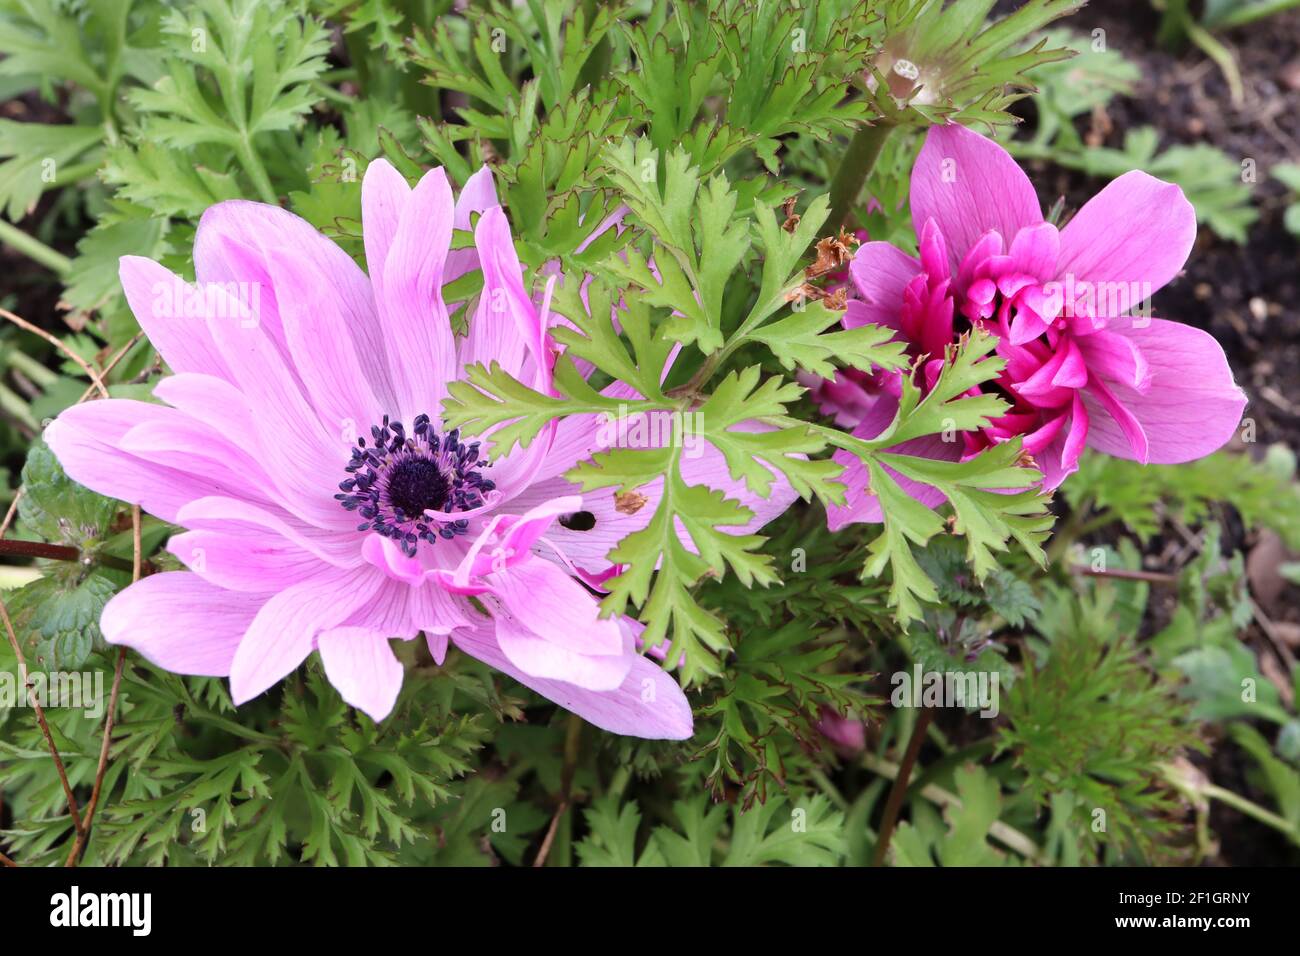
x: 969, y: 184
x: 648, y: 703
x: 181, y: 623
x: 880, y: 273
x: 1116, y: 358
x: 860, y: 504
x: 1126, y: 242
x: 1192, y: 406
x: 281, y: 636
x: 361, y: 664
x: 1035, y: 250
x: 1119, y: 430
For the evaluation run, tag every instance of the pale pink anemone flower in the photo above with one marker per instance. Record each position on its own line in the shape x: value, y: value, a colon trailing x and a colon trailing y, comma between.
x: 1081, y: 368
x: 326, y: 507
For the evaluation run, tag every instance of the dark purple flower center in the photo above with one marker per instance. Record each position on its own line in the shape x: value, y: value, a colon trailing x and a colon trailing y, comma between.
x: 404, y: 484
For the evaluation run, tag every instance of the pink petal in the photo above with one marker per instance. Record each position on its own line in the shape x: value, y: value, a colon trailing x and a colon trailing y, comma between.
x: 291, y: 440
x: 361, y: 664
x: 548, y: 625
x: 157, y: 299
x: 417, y: 329
x: 1127, y: 241
x: 256, y: 562
x: 705, y: 465
x: 324, y: 354
x: 648, y: 703
x: 384, y: 194
x: 86, y: 439
x: 232, y: 243
x: 478, y: 196
x: 969, y: 184
x: 181, y: 623
x: 236, y: 516
x: 505, y: 327
x: 281, y: 636
x: 1192, y: 406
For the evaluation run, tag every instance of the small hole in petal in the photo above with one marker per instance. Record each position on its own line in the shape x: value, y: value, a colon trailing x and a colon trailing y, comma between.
x: 578, y: 521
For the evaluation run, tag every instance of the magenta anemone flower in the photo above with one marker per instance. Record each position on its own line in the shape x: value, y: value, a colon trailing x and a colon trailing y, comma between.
x: 1085, y: 366
x: 326, y: 507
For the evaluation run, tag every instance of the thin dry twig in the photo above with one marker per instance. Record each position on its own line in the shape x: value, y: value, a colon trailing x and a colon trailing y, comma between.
x: 97, y: 385
x: 112, y: 364
x: 40, y: 718
x: 1155, y: 577
x: 109, y: 717
x: 894, y: 802
x: 59, y: 344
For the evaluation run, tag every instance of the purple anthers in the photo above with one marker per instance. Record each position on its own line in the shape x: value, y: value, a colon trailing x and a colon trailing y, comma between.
x: 403, y: 484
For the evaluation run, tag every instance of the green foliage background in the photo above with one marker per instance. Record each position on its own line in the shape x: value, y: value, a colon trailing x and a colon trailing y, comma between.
x: 705, y: 120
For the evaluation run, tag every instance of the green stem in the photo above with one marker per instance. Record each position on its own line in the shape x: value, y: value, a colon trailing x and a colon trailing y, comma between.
x: 67, y: 175
x: 1005, y: 834
x: 13, y: 405
x: 1249, y: 808
x: 33, y: 248
x: 20, y: 361
x: 252, y: 164
x: 864, y: 149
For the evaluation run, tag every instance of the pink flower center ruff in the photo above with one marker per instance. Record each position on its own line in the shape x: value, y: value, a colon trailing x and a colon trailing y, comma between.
x: 1013, y: 294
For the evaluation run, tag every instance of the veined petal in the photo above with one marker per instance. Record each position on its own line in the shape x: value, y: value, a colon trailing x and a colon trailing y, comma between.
x: 478, y: 196
x: 180, y: 622
x: 231, y: 246
x: 86, y: 439
x: 257, y: 563
x: 281, y: 635
x: 549, y: 626
x: 969, y: 184
x: 361, y: 664
x: 159, y: 301
x: 648, y: 703
x: 417, y: 329
x: 880, y: 272
x: 1191, y: 408
x: 1126, y: 242
x: 505, y: 327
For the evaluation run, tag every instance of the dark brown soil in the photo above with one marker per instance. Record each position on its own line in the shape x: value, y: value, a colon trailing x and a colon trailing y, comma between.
x: 1247, y: 296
